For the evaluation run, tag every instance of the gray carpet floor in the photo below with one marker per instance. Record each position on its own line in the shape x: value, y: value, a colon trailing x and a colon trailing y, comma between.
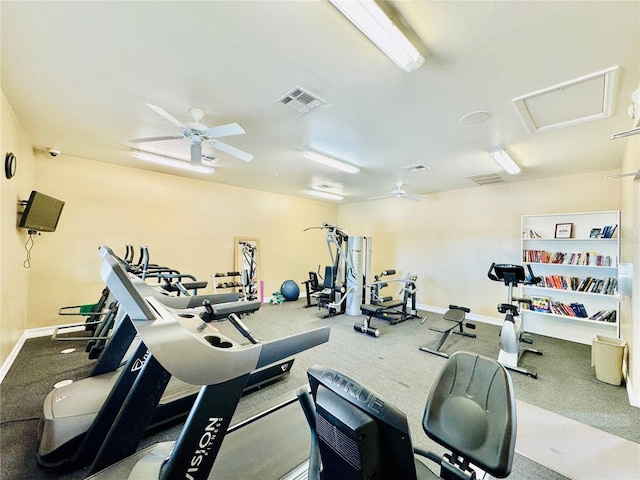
x: 391, y: 365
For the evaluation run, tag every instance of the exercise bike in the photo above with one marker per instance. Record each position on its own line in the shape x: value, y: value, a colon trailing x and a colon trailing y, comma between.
x: 513, y: 339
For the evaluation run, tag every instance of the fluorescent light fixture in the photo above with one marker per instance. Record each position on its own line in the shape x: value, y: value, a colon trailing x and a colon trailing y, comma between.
x: 628, y: 133
x: 330, y: 196
x: 331, y: 162
x: 170, y: 162
x: 375, y: 24
x: 505, y: 161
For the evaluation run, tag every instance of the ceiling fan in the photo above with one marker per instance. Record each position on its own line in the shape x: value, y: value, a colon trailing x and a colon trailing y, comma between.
x: 399, y: 192
x: 197, y: 133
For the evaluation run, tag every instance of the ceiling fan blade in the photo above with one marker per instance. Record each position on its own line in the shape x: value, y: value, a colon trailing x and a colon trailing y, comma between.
x: 415, y: 198
x: 156, y: 139
x: 223, y: 147
x: 379, y: 197
x: 224, y: 130
x: 166, y: 115
x: 196, y: 153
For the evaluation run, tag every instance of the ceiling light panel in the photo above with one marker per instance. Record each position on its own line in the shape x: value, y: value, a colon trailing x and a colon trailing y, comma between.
x: 505, y: 161
x: 170, y: 162
x: 327, y: 195
x: 331, y: 162
x: 375, y: 24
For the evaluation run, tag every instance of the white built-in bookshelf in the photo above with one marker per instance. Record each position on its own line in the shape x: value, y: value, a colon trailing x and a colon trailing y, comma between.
x: 577, y: 255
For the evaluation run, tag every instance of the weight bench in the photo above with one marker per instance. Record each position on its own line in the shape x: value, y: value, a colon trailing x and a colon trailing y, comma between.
x: 386, y: 311
x: 380, y: 309
x: 452, y: 319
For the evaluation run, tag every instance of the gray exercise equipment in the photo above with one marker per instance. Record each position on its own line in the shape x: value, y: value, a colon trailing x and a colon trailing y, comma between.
x: 77, y: 416
x: 207, y: 357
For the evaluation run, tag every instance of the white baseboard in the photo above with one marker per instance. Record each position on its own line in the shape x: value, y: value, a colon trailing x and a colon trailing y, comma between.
x: 634, y: 395
x: 31, y: 333
x: 12, y: 356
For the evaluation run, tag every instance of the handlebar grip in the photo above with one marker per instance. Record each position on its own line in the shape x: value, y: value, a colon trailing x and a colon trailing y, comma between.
x: 242, y: 328
x: 491, y: 275
x: 389, y: 272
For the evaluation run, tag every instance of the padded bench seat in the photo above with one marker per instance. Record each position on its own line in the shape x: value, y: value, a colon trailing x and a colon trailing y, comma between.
x: 369, y: 309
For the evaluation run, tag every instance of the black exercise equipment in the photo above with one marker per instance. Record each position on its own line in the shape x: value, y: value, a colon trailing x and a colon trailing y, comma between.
x: 513, y: 339
x: 355, y: 434
x: 453, y: 318
x: 471, y: 410
x: 322, y: 294
x: 311, y: 286
x: 386, y: 308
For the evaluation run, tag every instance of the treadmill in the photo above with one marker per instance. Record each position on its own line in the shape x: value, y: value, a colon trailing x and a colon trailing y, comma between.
x: 270, y: 445
x: 76, y: 417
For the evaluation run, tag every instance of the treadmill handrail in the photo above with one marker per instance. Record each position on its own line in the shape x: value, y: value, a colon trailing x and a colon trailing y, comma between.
x: 176, y: 340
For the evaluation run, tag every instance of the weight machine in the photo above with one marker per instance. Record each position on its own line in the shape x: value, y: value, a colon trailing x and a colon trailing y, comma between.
x: 386, y: 308
x: 345, y: 279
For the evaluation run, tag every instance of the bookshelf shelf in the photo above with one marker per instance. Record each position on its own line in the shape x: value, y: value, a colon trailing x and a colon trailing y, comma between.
x: 612, y: 325
x: 556, y: 265
x: 571, y: 267
x: 554, y: 291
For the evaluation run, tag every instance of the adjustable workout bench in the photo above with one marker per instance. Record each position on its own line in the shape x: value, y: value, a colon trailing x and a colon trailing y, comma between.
x: 452, y: 318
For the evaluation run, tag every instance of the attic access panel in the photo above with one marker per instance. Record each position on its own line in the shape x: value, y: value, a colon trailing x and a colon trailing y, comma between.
x: 577, y: 101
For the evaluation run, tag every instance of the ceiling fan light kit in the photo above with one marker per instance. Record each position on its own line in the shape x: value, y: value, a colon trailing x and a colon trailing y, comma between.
x: 505, y: 161
x: 331, y: 162
x: 375, y: 24
x: 196, y: 133
x: 170, y: 162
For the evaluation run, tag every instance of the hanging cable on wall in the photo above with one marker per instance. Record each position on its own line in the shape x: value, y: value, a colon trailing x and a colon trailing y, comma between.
x: 28, y: 246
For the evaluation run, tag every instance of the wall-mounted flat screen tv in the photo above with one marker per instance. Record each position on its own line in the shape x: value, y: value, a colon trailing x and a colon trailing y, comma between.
x: 41, y: 213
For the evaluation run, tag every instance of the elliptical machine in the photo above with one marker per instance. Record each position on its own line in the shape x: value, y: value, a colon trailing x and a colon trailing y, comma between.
x: 512, y: 336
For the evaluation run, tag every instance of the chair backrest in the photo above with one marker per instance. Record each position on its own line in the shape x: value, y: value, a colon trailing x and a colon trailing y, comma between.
x: 357, y: 434
x: 471, y: 411
x: 313, y: 281
x: 329, y: 280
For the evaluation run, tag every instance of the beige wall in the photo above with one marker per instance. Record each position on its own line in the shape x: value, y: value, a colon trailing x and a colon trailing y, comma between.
x: 450, y: 239
x: 13, y: 277
x: 630, y: 253
x: 188, y: 224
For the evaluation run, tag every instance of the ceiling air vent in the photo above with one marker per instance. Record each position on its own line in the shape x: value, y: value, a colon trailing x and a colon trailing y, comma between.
x: 416, y: 167
x: 300, y: 100
x: 486, y: 178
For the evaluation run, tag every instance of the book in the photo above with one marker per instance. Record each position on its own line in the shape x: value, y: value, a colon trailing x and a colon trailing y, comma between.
x: 540, y: 304
x: 608, y: 231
